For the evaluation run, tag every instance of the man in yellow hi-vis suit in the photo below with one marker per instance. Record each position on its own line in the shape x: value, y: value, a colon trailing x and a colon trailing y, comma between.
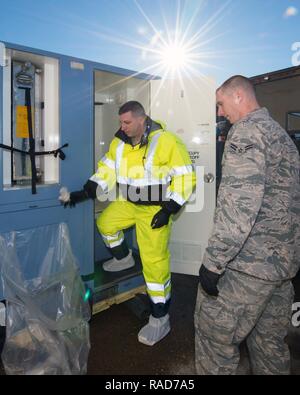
x: 153, y: 172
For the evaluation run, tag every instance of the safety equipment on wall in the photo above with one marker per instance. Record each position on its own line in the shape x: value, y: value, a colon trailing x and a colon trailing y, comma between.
x: 115, y: 265
x: 32, y: 154
x: 155, y: 330
x: 209, y: 281
x: 27, y: 126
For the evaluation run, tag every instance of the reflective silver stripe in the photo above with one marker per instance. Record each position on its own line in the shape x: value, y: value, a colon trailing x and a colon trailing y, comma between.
x: 181, y: 171
x: 110, y: 238
x: 148, y: 179
x: 168, y: 283
x: 176, y: 197
x: 151, y: 152
x: 119, y: 154
x: 108, y: 162
x: 158, y: 287
x: 160, y: 299
x: 155, y: 287
x: 96, y: 178
x: 113, y: 241
x: 141, y: 182
x: 115, y: 244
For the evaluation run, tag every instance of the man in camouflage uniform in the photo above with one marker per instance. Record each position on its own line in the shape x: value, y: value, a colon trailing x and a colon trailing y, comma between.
x: 245, y: 289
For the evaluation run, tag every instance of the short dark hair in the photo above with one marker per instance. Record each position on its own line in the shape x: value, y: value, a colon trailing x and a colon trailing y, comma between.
x: 135, y: 107
x: 238, y: 81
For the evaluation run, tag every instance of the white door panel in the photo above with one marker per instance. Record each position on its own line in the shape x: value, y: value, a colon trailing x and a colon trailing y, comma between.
x: 188, y: 108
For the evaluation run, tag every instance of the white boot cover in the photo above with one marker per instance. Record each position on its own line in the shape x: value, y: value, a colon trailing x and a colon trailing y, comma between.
x: 115, y: 265
x: 155, y: 330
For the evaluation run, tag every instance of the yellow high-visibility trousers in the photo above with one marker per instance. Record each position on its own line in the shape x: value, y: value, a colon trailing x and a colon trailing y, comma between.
x: 153, y: 243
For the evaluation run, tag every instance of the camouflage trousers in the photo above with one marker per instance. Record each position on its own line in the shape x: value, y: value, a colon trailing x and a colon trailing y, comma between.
x: 246, y: 308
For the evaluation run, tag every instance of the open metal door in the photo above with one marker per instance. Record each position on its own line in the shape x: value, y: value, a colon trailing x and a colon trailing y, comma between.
x: 188, y: 108
x: 57, y: 109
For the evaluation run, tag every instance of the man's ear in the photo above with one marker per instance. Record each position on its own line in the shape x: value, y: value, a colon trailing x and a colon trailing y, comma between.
x: 237, y: 99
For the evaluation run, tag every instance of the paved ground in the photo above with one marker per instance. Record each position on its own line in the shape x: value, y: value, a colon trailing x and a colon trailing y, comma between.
x: 116, y: 351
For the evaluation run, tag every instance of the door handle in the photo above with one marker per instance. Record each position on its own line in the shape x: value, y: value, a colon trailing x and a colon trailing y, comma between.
x: 209, y: 178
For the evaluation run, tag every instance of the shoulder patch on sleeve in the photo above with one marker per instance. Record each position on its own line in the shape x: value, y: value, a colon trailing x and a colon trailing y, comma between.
x: 240, y: 149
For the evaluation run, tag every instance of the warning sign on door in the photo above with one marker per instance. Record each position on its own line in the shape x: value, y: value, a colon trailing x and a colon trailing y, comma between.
x: 22, y: 130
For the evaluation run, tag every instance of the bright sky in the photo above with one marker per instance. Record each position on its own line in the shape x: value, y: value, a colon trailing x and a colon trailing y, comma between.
x: 220, y: 38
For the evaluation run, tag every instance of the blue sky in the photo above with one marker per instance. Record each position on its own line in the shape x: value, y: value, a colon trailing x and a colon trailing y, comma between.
x: 247, y: 37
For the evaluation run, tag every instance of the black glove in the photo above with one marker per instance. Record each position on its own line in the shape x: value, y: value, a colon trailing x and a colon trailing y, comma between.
x: 88, y: 192
x: 171, y: 206
x: 90, y: 188
x: 76, y: 197
x: 209, y: 281
x: 160, y: 219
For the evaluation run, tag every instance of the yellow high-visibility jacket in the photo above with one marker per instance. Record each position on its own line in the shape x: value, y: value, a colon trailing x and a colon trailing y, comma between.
x: 158, y: 171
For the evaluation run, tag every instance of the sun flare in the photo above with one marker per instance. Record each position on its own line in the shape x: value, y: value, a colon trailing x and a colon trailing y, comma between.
x: 174, y: 57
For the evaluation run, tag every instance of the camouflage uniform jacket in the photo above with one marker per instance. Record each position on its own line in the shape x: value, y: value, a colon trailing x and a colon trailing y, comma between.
x: 257, y: 220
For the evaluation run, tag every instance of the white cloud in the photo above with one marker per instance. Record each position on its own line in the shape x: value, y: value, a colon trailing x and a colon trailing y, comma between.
x: 290, y: 11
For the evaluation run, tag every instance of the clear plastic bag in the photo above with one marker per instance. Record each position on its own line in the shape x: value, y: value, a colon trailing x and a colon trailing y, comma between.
x: 47, y: 329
